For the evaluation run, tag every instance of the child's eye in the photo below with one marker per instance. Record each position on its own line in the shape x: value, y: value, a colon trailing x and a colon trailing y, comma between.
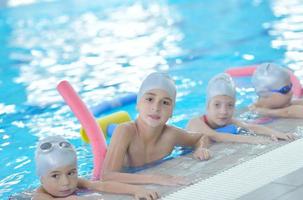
x: 231, y: 105
x: 71, y: 173
x: 166, y: 103
x: 149, y: 99
x: 56, y: 176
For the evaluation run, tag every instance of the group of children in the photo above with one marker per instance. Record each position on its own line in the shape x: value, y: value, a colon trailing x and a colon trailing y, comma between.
x: 149, y: 138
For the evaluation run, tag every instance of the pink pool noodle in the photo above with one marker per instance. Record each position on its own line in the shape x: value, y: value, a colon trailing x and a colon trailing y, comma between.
x: 249, y: 70
x: 241, y: 71
x: 89, y: 124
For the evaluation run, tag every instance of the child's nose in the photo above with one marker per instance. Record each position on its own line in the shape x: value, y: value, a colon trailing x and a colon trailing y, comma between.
x: 156, y: 106
x: 64, y: 180
x: 223, y: 110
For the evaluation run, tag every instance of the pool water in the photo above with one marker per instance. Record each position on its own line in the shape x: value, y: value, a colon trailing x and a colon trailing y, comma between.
x: 105, y: 49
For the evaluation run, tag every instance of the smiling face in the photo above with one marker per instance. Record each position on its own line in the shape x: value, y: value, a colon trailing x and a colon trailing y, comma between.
x: 220, y: 110
x: 155, y: 107
x: 61, y: 182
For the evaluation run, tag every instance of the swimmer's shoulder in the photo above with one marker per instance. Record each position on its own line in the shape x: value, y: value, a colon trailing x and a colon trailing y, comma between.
x: 194, y: 123
x: 39, y: 193
x: 126, y: 129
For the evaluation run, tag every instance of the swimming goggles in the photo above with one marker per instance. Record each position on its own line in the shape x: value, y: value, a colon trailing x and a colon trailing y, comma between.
x: 284, y: 90
x: 49, y: 146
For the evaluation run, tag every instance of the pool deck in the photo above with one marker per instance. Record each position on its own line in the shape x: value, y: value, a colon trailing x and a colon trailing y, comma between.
x: 226, y: 156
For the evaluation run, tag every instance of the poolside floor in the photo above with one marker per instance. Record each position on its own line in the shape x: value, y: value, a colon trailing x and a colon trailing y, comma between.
x: 225, y: 157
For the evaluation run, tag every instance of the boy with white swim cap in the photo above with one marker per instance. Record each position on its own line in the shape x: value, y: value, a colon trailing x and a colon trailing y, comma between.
x: 219, y: 123
x: 56, y: 165
x: 149, y: 138
x: 158, y: 81
x: 274, y: 89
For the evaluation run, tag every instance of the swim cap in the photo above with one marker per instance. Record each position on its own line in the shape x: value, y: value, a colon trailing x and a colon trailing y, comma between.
x: 54, y: 152
x: 221, y: 84
x: 269, y: 76
x: 158, y: 80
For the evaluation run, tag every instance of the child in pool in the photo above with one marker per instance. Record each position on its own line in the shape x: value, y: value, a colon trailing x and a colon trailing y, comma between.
x: 221, y: 97
x: 56, y: 165
x: 149, y: 138
x: 273, y: 87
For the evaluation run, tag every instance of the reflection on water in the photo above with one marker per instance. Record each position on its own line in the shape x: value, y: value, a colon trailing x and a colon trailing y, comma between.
x: 101, y: 53
x: 288, y: 33
x: 105, y: 49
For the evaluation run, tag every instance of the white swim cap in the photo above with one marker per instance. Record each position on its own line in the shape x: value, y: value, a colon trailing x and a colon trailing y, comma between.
x: 221, y: 84
x: 269, y: 76
x: 53, y: 152
x: 158, y: 80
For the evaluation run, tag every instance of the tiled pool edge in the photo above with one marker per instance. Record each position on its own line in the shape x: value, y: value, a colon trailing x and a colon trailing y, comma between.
x: 246, y: 177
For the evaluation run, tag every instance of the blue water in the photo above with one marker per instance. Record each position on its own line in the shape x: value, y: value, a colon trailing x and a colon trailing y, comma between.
x: 105, y: 50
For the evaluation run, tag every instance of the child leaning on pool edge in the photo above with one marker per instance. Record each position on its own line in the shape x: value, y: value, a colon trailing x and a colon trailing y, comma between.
x: 273, y: 87
x: 56, y: 165
x: 149, y: 138
x: 218, y: 122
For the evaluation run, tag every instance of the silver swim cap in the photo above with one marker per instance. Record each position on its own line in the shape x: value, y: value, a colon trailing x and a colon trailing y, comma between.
x: 221, y: 84
x: 158, y: 80
x: 269, y: 76
x: 54, y: 152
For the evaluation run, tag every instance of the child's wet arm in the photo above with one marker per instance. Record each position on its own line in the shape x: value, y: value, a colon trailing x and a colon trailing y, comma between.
x: 262, y: 130
x: 227, y: 137
x: 122, y: 188
x: 112, y: 187
x: 204, y: 129
x: 294, y: 111
x: 199, y: 127
x: 256, y: 128
x: 131, y: 178
x: 116, y: 152
x: 187, y: 138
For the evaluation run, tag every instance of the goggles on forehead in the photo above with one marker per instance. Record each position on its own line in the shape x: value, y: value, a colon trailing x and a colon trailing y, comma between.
x: 283, y: 90
x: 49, y: 146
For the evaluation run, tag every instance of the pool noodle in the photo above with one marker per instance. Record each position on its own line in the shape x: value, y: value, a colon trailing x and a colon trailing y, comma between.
x: 88, y: 122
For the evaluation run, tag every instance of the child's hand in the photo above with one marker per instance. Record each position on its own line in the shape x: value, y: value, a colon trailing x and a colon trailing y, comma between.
x: 144, y: 194
x: 171, y: 180
x: 204, y: 142
x: 283, y: 136
x: 202, y: 154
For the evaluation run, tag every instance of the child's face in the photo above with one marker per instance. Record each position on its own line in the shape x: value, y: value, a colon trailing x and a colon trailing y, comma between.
x: 155, y: 107
x: 277, y: 100
x: 61, y: 182
x: 220, y: 110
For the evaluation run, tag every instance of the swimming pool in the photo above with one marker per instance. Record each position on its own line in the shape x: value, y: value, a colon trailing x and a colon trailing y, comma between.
x: 105, y: 50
